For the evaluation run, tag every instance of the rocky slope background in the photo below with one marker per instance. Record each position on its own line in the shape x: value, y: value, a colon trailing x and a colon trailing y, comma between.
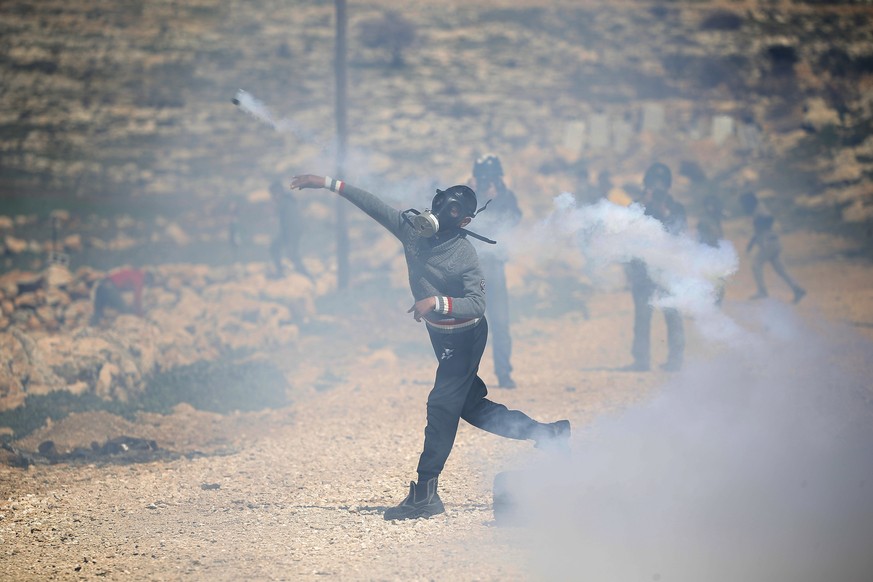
x: 119, y: 134
x: 120, y: 146
x: 255, y: 428
x: 126, y: 99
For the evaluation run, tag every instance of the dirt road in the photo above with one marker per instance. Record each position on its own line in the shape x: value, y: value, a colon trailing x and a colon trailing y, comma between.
x: 298, y: 493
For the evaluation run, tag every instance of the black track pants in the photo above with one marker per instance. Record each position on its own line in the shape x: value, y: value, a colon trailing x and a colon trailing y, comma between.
x: 458, y: 392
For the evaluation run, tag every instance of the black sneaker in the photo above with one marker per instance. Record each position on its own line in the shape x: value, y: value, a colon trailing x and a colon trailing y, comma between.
x: 419, y: 503
x: 554, y: 436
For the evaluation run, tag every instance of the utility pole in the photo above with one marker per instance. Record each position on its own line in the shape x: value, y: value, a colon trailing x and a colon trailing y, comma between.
x: 342, y: 232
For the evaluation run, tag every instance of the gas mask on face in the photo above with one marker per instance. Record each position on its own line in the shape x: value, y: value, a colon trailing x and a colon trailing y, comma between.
x: 449, y: 209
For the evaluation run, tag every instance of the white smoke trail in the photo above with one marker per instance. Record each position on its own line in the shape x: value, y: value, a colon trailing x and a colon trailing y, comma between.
x: 257, y: 109
x: 688, y: 274
x: 416, y: 191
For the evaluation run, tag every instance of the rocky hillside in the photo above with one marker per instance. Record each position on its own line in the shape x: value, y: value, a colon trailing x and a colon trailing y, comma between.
x: 128, y: 98
x: 193, y: 314
x: 117, y: 128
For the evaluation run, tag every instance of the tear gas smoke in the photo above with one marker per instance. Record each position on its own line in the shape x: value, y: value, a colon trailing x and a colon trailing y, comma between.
x: 357, y: 164
x: 688, y: 274
x: 754, y: 466
x: 257, y: 109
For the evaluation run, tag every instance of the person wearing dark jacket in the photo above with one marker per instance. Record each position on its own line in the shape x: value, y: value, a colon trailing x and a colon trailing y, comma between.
x: 501, y: 215
x: 449, y: 293
x: 711, y: 233
x: 659, y: 205
x: 709, y: 228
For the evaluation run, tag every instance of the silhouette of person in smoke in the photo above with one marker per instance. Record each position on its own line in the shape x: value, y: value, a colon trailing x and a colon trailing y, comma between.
x: 659, y: 205
x: 769, y: 247
x: 501, y: 216
x: 710, y: 231
x: 287, y: 240
x: 449, y: 292
x: 604, y: 185
x: 234, y: 236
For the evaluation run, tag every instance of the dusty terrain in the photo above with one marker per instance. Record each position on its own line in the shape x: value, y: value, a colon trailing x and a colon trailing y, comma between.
x: 297, y: 493
x: 119, y: 114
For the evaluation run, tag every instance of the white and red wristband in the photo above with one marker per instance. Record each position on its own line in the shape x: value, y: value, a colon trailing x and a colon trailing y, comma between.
x: 333, y: 184
x: 443, y: 305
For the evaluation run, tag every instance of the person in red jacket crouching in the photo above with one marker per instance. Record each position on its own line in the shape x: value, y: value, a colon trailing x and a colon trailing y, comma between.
x: 108, y: 292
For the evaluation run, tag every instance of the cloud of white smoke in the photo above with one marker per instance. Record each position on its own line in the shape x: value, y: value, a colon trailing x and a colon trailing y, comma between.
x: 688, y: 274
x: 754, y: 466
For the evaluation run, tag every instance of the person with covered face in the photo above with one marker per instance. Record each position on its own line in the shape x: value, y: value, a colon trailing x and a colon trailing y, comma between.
x: 449, y: 293
x: 661, y: 206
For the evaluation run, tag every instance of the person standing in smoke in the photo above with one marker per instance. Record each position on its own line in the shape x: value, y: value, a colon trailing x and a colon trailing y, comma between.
x: 710, y: 231
x: 287, y: 241
x: 769, y: 247
x: 449, y: 293
x: 501, y: 216
x: 660, y: 205
x: 234, y: 236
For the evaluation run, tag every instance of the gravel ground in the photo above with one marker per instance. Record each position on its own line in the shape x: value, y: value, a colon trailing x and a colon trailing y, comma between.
x: 298, y: 493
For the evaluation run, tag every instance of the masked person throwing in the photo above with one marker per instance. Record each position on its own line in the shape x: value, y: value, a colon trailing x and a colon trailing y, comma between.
x: 449, y: 293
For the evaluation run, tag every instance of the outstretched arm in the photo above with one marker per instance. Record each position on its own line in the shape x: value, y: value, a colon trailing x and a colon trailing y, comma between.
x: 310, y: 181
x: 379, y: 211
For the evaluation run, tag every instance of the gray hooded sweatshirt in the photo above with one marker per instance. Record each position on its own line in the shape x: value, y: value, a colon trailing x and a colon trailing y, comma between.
x: 445, y: 266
